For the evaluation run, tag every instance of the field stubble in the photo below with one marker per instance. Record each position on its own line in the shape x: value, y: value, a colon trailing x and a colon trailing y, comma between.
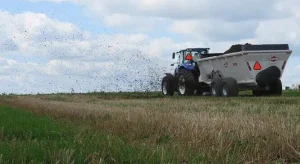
x: 235, y: 130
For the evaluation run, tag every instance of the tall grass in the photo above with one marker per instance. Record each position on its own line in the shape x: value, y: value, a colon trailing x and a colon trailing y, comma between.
x: 26, y: 138
x: 194, y: 129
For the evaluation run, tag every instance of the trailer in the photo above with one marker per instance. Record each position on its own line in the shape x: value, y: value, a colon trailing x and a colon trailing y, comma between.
x: 243, y: 67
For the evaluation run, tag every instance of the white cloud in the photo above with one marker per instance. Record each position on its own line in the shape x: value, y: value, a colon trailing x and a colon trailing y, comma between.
x: 292, y: 72
x: 214, y: 30
x: 124, y: 21
x: 144, y: 15
x: 282, y: 30
x: 41, y: 53
x: 52, y: 56
x: 231, y: 9
x: 201, y: 20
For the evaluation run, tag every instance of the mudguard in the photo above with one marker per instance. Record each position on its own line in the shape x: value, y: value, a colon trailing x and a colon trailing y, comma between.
x: 169, y: 75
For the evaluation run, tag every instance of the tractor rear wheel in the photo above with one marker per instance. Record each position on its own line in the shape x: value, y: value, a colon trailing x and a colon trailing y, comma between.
x: 167, y: 86
x: 186, y: 83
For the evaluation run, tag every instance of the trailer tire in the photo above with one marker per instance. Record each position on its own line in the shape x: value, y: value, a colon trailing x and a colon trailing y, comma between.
x: 186, y: 83
x: 215, y: 87
x: 229, y: 87
x: 167, y: 86
x: 276, y: 88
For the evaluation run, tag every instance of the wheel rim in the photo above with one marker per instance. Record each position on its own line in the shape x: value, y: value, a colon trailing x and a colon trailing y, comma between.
x: 181, y: 85
x: 224, y: 90
x: 195, y: 91
x: 164, y: 88
x: 213, y: 90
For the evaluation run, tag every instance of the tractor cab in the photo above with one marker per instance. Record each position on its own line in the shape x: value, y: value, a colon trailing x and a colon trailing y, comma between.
x: 187, y: 58
x: 190, y: 55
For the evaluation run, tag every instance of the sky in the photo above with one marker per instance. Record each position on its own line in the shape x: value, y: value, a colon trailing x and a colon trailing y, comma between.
x: 50, y: 46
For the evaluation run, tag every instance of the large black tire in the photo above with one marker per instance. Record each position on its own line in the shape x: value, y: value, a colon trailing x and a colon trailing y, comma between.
x: 215, y: 87
x: 186, y: 83
x: 276, y: 88
x: 167, y: 86
x: 229, y: 87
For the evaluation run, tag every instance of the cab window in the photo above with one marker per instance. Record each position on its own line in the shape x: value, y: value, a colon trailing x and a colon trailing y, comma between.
x: 181, y: 58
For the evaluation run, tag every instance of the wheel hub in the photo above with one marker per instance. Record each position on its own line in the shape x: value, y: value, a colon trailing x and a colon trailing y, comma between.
x: 213, y: 90
x: 181, y: 85
x: 164, y: 88
x: 224, y: 90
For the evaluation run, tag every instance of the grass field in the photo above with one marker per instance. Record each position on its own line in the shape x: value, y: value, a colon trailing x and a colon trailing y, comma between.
x: 148, y: 128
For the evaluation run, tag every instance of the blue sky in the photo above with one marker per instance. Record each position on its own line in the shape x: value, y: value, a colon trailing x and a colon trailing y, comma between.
x: 65, y: 11
x: 56, y: 45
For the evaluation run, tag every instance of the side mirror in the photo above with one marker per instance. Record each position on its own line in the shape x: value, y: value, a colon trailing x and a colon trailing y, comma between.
x: 172, y: 64
x: 173, y: 57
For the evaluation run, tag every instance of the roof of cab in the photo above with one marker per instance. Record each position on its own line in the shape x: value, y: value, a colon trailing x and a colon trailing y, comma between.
x: 195, y: 49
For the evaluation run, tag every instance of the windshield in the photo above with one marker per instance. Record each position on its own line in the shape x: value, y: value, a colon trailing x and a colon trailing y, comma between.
x: 197, y: 54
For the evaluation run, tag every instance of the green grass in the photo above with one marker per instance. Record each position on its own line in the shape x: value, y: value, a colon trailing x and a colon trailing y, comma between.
x: 103, y: 95
x: 291, y: 93
x: 149, y: 128
x: 26, y: 138
x: 68, y: 97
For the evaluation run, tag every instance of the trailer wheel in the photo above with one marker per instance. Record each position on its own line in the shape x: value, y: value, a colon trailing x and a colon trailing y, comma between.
x: 215, y: 87
x: 230, y: 87
x: 186, y: 83
x: 276, y: 88
x: 167, y: 86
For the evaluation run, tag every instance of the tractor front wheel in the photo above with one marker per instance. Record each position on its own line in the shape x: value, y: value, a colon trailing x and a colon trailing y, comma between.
x: 167, y: 86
